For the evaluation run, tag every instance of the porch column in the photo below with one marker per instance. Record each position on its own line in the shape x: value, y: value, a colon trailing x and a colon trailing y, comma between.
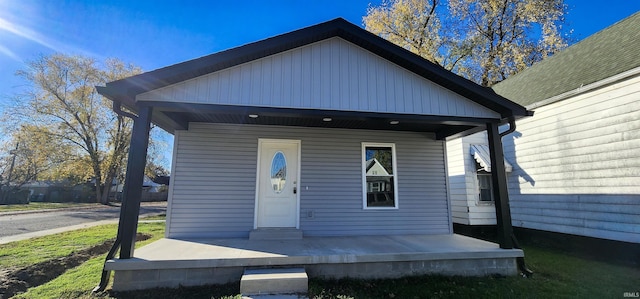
x: 132, y: 192
x: 499, y: 186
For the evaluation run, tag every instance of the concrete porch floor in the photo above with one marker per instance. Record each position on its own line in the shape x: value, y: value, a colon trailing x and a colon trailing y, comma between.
x: 173, y: 262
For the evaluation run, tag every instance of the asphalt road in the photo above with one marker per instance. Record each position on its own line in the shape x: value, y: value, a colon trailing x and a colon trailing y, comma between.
x: 32, y: 222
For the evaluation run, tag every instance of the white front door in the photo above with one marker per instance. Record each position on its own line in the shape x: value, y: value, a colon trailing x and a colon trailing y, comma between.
x: 277, y: 190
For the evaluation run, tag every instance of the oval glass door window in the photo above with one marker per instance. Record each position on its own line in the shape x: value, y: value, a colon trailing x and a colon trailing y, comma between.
x: 278, y: 172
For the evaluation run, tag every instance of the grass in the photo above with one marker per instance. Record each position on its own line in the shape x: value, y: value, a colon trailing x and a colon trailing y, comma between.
x: 32, y: 251
x: 155, y: 217
x: 36, y: 250
x: 78, y: 282
x: 557, y: 275
x: 44, y: 206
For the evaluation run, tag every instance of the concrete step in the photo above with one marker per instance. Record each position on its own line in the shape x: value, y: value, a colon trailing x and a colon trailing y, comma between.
x: 275, y: 234
x: 274, y: 282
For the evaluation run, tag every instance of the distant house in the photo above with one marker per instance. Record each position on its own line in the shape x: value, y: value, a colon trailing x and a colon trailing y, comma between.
x: 379, y: 185
x: 153, y: 189
x: 576, y: 162
x: 315, y: 138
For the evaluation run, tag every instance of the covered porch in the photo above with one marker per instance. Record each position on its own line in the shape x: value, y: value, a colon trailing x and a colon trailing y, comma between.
x: 183, y: 262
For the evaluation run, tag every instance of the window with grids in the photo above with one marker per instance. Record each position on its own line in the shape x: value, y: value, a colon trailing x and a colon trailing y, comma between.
x: 379, y: 176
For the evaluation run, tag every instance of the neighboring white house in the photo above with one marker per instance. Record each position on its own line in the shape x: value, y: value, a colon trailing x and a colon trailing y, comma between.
x: 576, y: 162
x: 469, y: 170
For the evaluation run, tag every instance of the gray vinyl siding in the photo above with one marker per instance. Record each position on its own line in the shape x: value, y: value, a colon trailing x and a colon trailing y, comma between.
x: 577, y: 165
x: 463, y: 183
x: 332, y: 74
x: 214, y: 177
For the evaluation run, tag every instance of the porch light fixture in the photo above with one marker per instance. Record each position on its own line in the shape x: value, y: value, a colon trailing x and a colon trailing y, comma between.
x: 327, y: 119
x: 253, y: 115
x: 394, y: 122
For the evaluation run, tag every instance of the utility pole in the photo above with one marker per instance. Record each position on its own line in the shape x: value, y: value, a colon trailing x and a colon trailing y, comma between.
x: 13, y: 162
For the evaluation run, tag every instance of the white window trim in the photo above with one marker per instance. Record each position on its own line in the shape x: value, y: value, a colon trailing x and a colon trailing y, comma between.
x: 364, y: 175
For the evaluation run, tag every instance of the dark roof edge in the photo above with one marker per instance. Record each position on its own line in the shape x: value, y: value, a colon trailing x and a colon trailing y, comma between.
x: 125, y: 90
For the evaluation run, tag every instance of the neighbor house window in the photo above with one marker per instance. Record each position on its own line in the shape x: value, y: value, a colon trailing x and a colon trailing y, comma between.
x: 379, y: 176
x: 485, y: 192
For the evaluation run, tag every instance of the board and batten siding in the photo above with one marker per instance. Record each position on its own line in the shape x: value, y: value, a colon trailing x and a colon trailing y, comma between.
x: 463, y: 183
x: 332, y: 74
x: 577, y: 165
x: 213, y: 182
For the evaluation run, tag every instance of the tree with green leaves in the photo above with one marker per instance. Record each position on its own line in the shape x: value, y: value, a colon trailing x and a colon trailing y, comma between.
x: 485, y: 41
x: 67, y: 125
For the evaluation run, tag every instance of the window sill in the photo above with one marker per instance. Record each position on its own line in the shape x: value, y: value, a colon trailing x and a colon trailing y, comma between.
x: 380, y: 208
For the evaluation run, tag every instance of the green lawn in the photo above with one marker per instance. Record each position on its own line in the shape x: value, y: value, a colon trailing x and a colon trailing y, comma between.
x: 32, y: 251
x: 557, y: 275
x: 78, y: 281
x: 44, y: 206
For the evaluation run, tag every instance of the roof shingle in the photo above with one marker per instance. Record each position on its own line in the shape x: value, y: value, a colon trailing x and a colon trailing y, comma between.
x: 606, y: 53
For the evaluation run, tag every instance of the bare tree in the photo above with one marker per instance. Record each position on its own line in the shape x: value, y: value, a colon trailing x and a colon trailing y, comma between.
x: 63, y: 105
x: 483, y: 40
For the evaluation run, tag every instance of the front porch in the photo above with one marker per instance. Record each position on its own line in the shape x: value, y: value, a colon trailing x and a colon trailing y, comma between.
x: 173, y: 262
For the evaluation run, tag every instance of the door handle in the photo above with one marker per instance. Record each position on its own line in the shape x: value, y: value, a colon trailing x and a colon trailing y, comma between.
x: 295, y: 189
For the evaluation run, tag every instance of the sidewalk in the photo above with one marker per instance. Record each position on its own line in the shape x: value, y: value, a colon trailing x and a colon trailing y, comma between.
x: 14, y: 238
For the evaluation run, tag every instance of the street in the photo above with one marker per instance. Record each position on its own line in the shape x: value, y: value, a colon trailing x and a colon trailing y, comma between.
x: 17, y: 224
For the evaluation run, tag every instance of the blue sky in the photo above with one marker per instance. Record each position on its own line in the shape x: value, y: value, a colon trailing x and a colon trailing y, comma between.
x: 154, y: 34
x: 157, y: 33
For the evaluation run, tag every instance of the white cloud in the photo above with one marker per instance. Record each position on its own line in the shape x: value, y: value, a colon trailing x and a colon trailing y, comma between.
x: 25, y: 33
x: 4, y: 50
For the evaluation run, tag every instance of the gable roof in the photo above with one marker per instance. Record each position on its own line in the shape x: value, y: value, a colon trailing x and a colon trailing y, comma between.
x: 125, y: 90
x: 606, y: 53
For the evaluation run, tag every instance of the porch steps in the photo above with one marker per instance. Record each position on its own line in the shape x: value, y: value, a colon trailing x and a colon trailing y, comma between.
x: 264, y: 283
x: 275, y: 234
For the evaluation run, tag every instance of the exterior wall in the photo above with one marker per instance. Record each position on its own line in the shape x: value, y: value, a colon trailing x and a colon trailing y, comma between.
x: 463, y: 183
x: 577, y: 165
x: 214, y: 177
x: 332, y: 74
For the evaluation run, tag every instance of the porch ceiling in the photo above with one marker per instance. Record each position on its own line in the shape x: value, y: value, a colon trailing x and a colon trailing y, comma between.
x: 177, y: 117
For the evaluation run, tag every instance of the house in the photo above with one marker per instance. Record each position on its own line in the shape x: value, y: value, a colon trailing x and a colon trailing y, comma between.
x: 152, y: 190
x: 576, y: 165
x: 275, y: 147
x: 379, y: 186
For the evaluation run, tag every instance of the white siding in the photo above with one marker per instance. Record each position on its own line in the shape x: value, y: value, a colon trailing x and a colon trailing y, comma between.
x: 463, y: 183
x: 332, y: 74
x: 577, y: 165
x: 213, y: 184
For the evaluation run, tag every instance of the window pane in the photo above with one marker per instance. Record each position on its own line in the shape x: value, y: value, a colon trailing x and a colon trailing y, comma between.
x: 383, y: 155
x: 484, y: 186
x: 278, y: 172
x: 379, y: 176
x: 380, y: 191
